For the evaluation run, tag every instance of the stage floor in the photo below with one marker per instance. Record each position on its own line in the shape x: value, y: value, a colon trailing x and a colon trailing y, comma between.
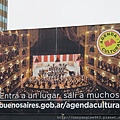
x: 36, y: 70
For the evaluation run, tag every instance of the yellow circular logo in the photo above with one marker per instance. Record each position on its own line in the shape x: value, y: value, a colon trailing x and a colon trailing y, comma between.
x: 108, y: 42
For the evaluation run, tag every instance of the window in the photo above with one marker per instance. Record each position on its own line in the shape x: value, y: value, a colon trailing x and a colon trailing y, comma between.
x: 3, y: 7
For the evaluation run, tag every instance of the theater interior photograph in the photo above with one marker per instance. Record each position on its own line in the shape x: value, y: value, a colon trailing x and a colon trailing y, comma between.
x: 59, y: 61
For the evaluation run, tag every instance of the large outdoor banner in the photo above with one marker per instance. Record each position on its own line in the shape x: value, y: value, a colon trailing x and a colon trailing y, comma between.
x: 63, y: 72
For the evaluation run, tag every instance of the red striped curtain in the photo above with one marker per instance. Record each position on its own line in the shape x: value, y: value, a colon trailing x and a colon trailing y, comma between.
x: 51, y: 58
x: 39, y: 58
x: 45, y: 58
x: 70, y: 57
x: 64, y: 57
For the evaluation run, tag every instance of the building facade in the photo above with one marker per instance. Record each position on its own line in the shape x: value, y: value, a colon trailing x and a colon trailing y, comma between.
x: 3, y: 14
